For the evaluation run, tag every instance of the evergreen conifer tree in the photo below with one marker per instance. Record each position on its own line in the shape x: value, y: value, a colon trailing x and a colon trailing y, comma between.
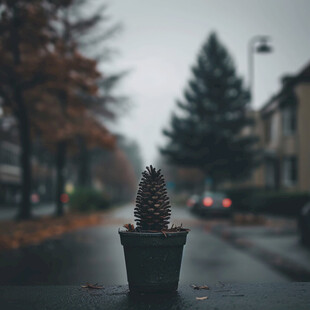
x: 208, y: 133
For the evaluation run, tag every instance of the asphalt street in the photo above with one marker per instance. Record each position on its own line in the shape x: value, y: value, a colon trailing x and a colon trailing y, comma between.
x: 95, y: 255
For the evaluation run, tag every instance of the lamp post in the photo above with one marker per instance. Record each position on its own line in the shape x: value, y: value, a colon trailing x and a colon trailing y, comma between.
x: 257, y: 44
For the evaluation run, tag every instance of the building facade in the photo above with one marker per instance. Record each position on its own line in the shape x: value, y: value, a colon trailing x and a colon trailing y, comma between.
x: 283, y: 127
x: 10, y: 168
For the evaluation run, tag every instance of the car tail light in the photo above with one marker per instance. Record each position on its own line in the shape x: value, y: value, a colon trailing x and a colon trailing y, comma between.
x: 190, y: 202
x: 226, y: 202
x: 207, y: 201
x: 64, y: 198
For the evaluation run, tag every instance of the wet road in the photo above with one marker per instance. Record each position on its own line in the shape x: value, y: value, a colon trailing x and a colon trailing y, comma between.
x: 95, y: 255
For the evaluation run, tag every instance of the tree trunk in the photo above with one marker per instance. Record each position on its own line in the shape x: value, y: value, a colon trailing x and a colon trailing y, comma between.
x: 60, y: 177
x: 84, y: 173
x: 22, y: 116
x: 24, y: 211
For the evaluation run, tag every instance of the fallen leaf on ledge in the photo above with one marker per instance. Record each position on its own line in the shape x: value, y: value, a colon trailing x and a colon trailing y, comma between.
x: 92, y: 286
x: 164, y: 233
x: 202, y: 298
x: 129, y: 227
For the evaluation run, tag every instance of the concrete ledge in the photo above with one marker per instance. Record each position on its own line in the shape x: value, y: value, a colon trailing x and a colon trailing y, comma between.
x: 224, y: 296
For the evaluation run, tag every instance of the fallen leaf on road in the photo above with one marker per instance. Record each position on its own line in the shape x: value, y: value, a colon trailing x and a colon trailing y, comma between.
x: 202, y: 298
x: 92, y: 286
x: 200, y: 287
x: 221, y: 283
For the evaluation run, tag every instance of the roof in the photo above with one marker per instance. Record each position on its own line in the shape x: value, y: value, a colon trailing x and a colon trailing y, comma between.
x: 288, y: 82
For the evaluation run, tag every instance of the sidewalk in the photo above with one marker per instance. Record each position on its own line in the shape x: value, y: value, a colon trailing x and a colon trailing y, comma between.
x: 286, y: 246
x: 15, y: 234
x: 9, y: 212
x: 278, y: 246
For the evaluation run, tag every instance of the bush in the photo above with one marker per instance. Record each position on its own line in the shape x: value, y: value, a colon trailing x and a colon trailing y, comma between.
x: 280, y: 203
x: 242, y: 198
x: 270, y: 202
x: 86, y: 199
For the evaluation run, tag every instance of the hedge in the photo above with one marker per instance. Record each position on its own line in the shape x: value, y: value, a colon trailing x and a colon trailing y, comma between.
x: 86, y: 199
x: 270, y: 202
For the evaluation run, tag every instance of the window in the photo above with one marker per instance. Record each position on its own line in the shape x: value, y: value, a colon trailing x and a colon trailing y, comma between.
x: 270, y: 175
x: 289, y: 120
x: 8, y: 156
x: 267, y: 129
x: 272, y: 128
x: 289, y: 171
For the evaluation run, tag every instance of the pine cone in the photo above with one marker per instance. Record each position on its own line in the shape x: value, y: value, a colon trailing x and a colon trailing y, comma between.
x: 152, y: 210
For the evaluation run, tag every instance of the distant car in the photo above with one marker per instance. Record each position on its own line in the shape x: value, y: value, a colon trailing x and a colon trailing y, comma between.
x: 304, y: 224
x: 213, y: 204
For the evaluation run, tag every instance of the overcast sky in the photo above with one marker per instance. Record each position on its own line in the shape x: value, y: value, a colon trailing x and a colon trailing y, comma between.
x: 161, y: 39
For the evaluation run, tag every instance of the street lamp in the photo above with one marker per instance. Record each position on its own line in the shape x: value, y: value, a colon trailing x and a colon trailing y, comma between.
x: 257, y: 44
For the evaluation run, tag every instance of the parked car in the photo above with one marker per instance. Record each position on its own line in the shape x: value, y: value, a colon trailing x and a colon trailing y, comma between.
x: 304, y: 224
x: 213, y: 204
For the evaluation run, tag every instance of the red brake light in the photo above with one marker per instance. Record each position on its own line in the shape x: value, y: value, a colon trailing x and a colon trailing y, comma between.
x: 226, y: 202
x: 207, y: 201
x: 190, y: 202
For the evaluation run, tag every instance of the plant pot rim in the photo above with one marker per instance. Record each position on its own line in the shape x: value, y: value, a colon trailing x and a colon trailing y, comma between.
x: 153, y: 234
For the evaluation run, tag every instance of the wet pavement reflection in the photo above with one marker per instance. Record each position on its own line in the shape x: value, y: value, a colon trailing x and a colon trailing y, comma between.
x: 95, y: 255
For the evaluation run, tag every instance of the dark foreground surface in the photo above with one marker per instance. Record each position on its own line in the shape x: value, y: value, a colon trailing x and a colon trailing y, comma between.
x: 222, y: 296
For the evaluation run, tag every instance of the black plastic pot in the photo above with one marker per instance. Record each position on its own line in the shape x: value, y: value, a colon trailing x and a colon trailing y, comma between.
x: 153, y: 261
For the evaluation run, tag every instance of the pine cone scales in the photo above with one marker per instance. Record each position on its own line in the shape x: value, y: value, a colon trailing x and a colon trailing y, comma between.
x: 152, y: 210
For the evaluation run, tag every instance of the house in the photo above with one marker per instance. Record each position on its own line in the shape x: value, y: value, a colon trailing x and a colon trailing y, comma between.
x: 283, y: 126
x: 10, y: 172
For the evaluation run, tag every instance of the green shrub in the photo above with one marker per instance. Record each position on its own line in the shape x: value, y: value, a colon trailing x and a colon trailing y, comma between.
x: 242, y: 198
x: 270, y: 202
x: 86, y: 199
x: 280, y: 203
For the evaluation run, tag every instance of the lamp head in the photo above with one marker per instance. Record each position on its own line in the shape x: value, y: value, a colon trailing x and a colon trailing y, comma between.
x: 263, y: 47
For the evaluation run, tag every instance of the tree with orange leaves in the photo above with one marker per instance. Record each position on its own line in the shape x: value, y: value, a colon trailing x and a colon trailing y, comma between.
x: 77, y: 90
x: 44, y: 83
x: 63, y: 117
x: 25, y: 36
x: 116, y: 175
